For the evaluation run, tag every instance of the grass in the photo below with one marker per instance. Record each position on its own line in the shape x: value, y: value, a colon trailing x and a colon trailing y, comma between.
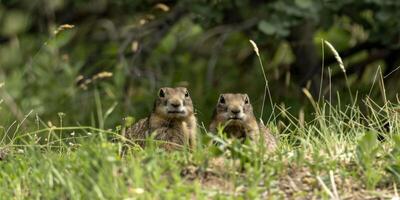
x: 334, y: 154
x: 337, y: 155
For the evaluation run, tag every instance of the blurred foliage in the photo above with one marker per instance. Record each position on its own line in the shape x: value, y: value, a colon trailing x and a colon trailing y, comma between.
x: 51, y: 68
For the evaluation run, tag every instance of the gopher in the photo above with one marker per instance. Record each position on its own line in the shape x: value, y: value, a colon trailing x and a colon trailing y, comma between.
x: 235, y: 112
x: 172, y: 120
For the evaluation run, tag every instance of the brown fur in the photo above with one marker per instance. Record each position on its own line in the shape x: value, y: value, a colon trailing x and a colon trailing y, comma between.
x: 235, y: 112
x: 169, y: 124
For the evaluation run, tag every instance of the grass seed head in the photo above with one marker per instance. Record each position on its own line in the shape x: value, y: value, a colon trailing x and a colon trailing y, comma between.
x: 255, y: 47
x: 336, y: 54
x: 63, y: 27
x: 162, y: 7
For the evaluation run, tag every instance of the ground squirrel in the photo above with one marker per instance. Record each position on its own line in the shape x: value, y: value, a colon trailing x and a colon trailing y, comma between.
x: 236, y: 113
x: 172, y: 120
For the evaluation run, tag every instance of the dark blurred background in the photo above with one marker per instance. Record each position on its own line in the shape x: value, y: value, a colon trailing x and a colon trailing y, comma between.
x: 92, y: 59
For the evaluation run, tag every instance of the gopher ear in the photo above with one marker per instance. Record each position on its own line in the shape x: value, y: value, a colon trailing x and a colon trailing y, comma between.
x: 161, y: 93
x: 221, y: 99
x: 246, y: 99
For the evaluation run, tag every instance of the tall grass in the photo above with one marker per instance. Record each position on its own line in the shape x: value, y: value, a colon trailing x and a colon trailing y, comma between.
x: 334, y: 155
x: 266, y: 86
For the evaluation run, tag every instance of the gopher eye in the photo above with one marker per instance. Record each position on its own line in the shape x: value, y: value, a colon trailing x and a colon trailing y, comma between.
x: 187, y: 94
x: 161, y: 93
x: 222, y: 100
x: 246, y: 101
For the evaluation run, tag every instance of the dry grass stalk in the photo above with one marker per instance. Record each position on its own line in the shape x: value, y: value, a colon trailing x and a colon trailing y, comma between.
x: 341, y: 65
x: 390, y: 73
x: 162, y: 7
x: 63, y: 27
x: 336, y: 54
x: 83, y: 82
x: 334, y: 188
x: 255, y: 47
x: 135, y: 46
x: 396, y: 194
x: 102, y: 75
x: 266, y: 87
x: 326, y: 189
x: 310, y: 97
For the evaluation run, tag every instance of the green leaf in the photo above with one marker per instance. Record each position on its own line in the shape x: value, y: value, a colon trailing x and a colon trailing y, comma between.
x: 304, y: 3
x: 14, y: 23
x: 368, y: 143
x: 367, y: 150
x: 267, y: 28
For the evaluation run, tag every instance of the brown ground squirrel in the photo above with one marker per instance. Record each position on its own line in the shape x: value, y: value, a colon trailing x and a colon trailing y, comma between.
x: 236, y: 113
x: 172, y: 120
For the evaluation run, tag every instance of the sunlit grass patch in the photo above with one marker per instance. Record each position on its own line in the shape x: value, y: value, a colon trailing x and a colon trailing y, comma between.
x: 336, y: 155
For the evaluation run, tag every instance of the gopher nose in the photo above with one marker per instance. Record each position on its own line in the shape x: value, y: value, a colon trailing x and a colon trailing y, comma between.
x: 175, y: 104
x: 235, y: 111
